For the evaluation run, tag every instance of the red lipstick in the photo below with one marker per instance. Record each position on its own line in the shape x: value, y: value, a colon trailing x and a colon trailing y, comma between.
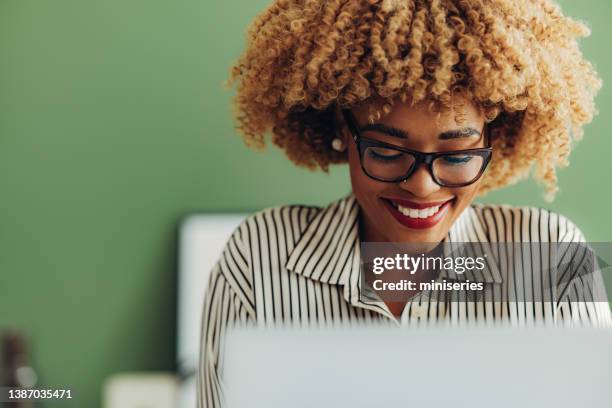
x: 414, y: 222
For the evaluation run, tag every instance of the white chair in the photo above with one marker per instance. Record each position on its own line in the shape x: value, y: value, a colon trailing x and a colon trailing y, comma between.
x: 202, y: 238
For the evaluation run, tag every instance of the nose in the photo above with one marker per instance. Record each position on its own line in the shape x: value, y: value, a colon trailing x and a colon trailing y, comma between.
x: 420, y: 183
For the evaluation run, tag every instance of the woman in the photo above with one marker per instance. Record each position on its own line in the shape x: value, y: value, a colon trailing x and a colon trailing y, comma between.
x: 431, y: 103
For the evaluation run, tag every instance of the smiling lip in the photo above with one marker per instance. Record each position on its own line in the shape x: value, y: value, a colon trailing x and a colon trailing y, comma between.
x: 417, y: 215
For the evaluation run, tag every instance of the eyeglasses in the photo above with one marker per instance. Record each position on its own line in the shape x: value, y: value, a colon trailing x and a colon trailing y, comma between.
x: 388, y: 163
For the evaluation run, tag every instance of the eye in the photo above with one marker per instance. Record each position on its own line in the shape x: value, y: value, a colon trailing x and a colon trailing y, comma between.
x: 457, y: 160
x: 383, y: 154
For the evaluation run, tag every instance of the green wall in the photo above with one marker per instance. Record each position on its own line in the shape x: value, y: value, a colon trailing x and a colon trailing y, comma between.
x: 113, y: 125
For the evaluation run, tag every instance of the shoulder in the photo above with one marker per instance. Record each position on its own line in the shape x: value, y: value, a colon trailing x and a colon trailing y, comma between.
x: 259, y: 242
x: 280, y: 223
x: 526, y: 224
x: 284, y: 225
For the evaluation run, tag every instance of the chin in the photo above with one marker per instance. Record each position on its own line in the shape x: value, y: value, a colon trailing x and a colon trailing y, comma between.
x: 420, y: 236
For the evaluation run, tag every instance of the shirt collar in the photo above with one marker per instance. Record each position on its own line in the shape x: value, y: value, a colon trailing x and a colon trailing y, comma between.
x: 328, y: 246
x: 328, y: 250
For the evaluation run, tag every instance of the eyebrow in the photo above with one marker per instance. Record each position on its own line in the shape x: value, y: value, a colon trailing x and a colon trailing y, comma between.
x: 393, y: 131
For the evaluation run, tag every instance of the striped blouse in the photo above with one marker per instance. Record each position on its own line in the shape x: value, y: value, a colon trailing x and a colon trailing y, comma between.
x: 301, y: 265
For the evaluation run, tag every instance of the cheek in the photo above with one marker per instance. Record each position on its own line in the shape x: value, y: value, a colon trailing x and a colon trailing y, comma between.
x: 466, y: 195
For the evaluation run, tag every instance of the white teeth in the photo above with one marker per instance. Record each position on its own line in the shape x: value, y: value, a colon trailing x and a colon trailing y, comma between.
x: 414, y: 213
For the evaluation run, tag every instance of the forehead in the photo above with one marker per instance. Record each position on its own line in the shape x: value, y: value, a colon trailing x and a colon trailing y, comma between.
x: 421, y: 118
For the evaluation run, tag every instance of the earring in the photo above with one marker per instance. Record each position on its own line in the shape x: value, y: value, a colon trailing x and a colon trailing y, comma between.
x: 338, y: 145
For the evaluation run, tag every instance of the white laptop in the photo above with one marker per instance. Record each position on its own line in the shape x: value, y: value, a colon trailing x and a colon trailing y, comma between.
x: 424, y: 367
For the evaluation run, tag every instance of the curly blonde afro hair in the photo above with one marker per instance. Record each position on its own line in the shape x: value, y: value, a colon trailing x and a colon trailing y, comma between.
x: 518, y: 60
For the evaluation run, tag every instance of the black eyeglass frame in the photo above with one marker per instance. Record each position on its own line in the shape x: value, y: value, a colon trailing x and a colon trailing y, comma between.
x: 419, y: 157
